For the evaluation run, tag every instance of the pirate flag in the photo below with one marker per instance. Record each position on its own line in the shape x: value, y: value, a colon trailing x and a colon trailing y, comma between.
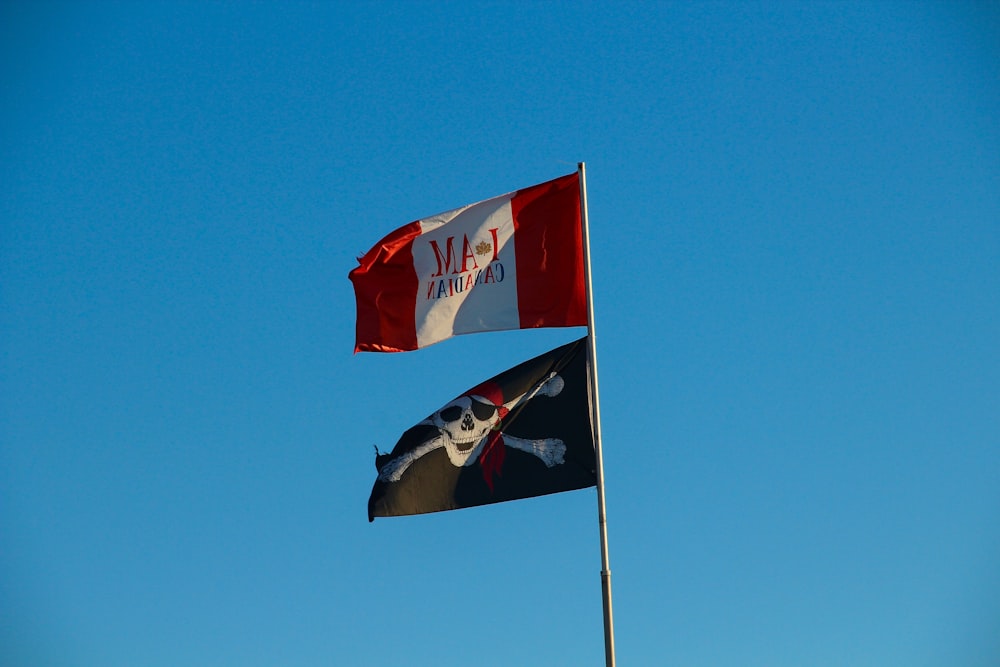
x: 523, y: 433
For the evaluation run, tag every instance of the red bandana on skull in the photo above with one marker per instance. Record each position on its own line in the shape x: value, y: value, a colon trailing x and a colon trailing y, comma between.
x: 491, y: 458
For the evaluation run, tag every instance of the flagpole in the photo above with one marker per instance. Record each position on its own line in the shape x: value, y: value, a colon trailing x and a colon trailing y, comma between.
x: 609, y: 626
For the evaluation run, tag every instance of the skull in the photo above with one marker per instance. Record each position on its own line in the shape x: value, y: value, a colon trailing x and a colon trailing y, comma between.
x: 464, y: 424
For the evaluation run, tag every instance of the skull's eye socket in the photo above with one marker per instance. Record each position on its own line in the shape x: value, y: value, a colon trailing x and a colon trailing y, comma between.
x: 483, y: 411
x: 451, y: 414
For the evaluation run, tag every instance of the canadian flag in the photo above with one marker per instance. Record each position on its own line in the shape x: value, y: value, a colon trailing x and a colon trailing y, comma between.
x: 510, y: 262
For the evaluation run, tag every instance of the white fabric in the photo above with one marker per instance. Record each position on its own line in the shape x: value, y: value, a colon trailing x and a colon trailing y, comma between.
x: 481, y: 298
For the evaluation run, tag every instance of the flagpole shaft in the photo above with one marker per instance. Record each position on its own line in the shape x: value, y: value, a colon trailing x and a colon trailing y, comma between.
x: 609, y: 627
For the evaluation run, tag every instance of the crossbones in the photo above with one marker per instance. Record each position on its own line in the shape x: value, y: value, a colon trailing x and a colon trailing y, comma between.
x: 467, y: 423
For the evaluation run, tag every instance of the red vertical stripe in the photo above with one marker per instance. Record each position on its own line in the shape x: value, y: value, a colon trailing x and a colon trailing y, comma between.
x: 548, y: 245
x: 385, y: 286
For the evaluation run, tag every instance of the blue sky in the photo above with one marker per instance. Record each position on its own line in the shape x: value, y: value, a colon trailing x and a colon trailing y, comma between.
x: 795, y: 218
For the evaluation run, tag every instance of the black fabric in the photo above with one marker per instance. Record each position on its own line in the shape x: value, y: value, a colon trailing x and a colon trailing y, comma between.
x: 432, y: 483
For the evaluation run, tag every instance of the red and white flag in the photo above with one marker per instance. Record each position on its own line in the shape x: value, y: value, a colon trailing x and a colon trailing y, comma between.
x: 510, y: 262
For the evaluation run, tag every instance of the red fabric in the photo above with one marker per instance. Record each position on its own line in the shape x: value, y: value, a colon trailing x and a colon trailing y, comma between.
x: 548, y: 238
x: 491, y: 458
x: 492, y: 392
x: 385, y: 287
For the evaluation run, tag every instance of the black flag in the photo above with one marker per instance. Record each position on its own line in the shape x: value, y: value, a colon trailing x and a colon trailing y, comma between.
x: 526, y: 432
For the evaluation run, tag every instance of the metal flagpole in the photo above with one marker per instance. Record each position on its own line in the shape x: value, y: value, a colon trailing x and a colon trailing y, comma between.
x: 609, y: 626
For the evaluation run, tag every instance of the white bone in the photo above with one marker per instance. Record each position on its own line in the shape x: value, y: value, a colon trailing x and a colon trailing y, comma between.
x: 549, y: 450
x: 394, y: 469
x: 550, y: 386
